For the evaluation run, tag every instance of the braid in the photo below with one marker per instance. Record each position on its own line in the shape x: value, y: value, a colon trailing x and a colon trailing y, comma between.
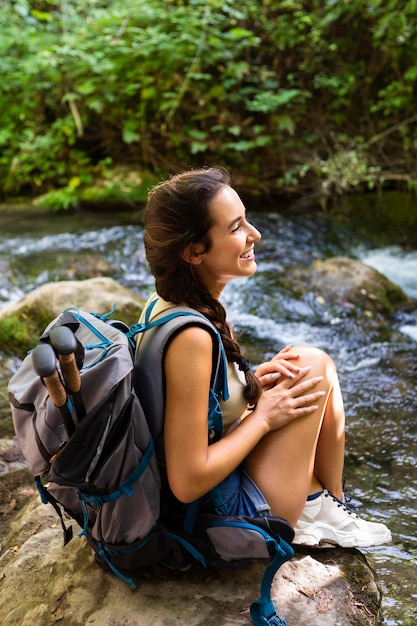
x: 216, y: 313
x: 252, y: 389
x: 234, y: 353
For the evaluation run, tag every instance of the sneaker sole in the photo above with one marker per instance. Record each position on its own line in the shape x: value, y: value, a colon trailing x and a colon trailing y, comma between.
x: 317, y: 537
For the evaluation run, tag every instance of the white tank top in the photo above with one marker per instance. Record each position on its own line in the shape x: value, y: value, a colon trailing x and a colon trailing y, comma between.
x: 236, y: 405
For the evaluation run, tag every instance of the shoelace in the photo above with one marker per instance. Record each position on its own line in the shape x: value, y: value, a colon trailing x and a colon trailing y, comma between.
x: 347, y: 493
x: 341, y: 504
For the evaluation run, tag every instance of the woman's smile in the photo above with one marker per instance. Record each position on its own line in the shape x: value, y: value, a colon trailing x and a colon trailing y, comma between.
x: 249, y: 255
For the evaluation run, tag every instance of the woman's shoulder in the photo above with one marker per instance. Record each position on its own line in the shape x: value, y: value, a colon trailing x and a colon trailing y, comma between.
x: 189, y: 328
x: 189, y: 354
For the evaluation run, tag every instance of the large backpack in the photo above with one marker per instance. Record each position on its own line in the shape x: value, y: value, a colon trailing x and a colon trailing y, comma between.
x: 87, y: 413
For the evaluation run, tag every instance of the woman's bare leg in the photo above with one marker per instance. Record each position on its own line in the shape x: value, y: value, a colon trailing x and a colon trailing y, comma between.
x: 330, y: 449
x: 308, y: 453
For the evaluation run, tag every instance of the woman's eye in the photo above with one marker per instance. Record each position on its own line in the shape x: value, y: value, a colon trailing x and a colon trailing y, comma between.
x: 236, y: 228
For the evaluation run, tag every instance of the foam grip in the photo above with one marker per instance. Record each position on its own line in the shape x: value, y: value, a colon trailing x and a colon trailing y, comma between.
x: 44, y: 360
x: 63, y: 340
x: 65, y: 344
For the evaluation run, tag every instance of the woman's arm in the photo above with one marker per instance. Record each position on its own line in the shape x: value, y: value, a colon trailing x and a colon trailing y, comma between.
x: 193, y: 466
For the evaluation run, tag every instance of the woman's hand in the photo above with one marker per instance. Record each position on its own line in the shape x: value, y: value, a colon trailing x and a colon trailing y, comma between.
x: 289, y: 398
x: 280, y: 365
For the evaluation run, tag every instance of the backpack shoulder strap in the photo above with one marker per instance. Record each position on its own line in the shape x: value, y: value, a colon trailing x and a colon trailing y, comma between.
x: 150, y: 352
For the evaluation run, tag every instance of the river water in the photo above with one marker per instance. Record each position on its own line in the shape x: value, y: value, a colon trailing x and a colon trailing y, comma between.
x: 378, y: 369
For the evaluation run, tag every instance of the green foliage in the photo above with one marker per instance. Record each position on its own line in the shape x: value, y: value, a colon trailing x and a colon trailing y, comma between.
x: 20, y: 333
x: 114, y: 190
x: 63, y: 198
x: 115, y: 194
x: 265, y: 88
x: 348, y: 169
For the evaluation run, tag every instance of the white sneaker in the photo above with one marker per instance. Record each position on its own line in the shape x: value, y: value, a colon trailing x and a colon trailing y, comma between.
x: 327, y: 520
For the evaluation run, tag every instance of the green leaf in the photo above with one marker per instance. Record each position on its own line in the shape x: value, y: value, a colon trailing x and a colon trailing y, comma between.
x: 198, y: 146
x: 197, y: 134
x: 235, y: 130
x: 95, y: 104
x: 42, y: 16
x: 130, y: 136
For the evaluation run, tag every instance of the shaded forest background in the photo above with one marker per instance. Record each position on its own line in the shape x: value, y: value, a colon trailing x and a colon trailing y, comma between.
x: 296, y: 98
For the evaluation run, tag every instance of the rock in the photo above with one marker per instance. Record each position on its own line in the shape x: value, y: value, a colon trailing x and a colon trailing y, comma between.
x: 22, y: 322
x: 347, y: 284
x: 79, y: 267
x: 11, y: 456
x: 43, y: 583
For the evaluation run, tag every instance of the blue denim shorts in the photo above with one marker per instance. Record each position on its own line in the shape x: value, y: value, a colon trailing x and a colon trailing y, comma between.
x: 236, y: 495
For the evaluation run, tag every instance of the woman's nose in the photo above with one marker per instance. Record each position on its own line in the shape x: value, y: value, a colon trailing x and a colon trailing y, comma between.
x: 254, y: 233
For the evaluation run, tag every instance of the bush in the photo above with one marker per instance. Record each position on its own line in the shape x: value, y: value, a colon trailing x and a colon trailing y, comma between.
x: 268, y: 89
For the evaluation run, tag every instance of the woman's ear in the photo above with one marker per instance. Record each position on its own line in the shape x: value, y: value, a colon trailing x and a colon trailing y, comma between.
x: 193, y: 253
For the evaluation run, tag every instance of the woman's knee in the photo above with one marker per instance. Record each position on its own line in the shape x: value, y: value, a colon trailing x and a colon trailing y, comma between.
x: 315, y: 358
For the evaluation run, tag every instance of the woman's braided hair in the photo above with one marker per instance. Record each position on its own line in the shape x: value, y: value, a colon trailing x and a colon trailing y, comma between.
x: 178, y: 214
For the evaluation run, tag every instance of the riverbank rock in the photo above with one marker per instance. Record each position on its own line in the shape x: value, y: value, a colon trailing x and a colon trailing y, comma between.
x: 22, y: 322
x: 44, y: 583
x: 348, y: 285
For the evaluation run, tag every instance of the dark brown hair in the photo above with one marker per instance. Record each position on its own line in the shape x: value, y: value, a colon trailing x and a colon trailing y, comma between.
x: 178, y: 213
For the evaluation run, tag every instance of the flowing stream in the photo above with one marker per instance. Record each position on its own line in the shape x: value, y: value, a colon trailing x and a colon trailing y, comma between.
x: 378, y: 370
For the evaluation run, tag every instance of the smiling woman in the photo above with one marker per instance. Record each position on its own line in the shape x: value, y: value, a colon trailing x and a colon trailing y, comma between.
x: 283, y: 425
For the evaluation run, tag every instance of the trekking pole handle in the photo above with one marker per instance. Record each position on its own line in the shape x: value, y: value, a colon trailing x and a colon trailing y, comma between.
x: 64, y: 341
x: 56, y: 389
x: 44, y: 364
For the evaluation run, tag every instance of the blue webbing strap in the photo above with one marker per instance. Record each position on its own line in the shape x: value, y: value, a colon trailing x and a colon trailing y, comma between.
x: 190, y: 515
x: 102, y: 554
x: 105, y: 553
x: 104, y: 343
x: 263, y: 610
x: 188, y: 546
x: 147, y: 325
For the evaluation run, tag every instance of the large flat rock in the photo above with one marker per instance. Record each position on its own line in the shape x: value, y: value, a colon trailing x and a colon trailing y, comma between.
x: 43, y: 583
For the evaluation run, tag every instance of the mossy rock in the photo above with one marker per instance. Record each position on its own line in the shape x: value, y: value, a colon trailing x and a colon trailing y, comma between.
x: 348, y: 285
x: 20, y: 331
x: 22, y: 323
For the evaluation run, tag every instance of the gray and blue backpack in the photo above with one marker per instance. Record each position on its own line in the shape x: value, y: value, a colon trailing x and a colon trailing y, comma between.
x: 87, y: 410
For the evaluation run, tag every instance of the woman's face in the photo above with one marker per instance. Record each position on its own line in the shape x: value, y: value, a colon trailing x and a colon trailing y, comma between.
x: 232, y: 253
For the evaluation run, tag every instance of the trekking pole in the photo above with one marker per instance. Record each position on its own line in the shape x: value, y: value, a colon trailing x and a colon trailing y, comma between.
x: 65, y: 344
x: 44, y: 364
